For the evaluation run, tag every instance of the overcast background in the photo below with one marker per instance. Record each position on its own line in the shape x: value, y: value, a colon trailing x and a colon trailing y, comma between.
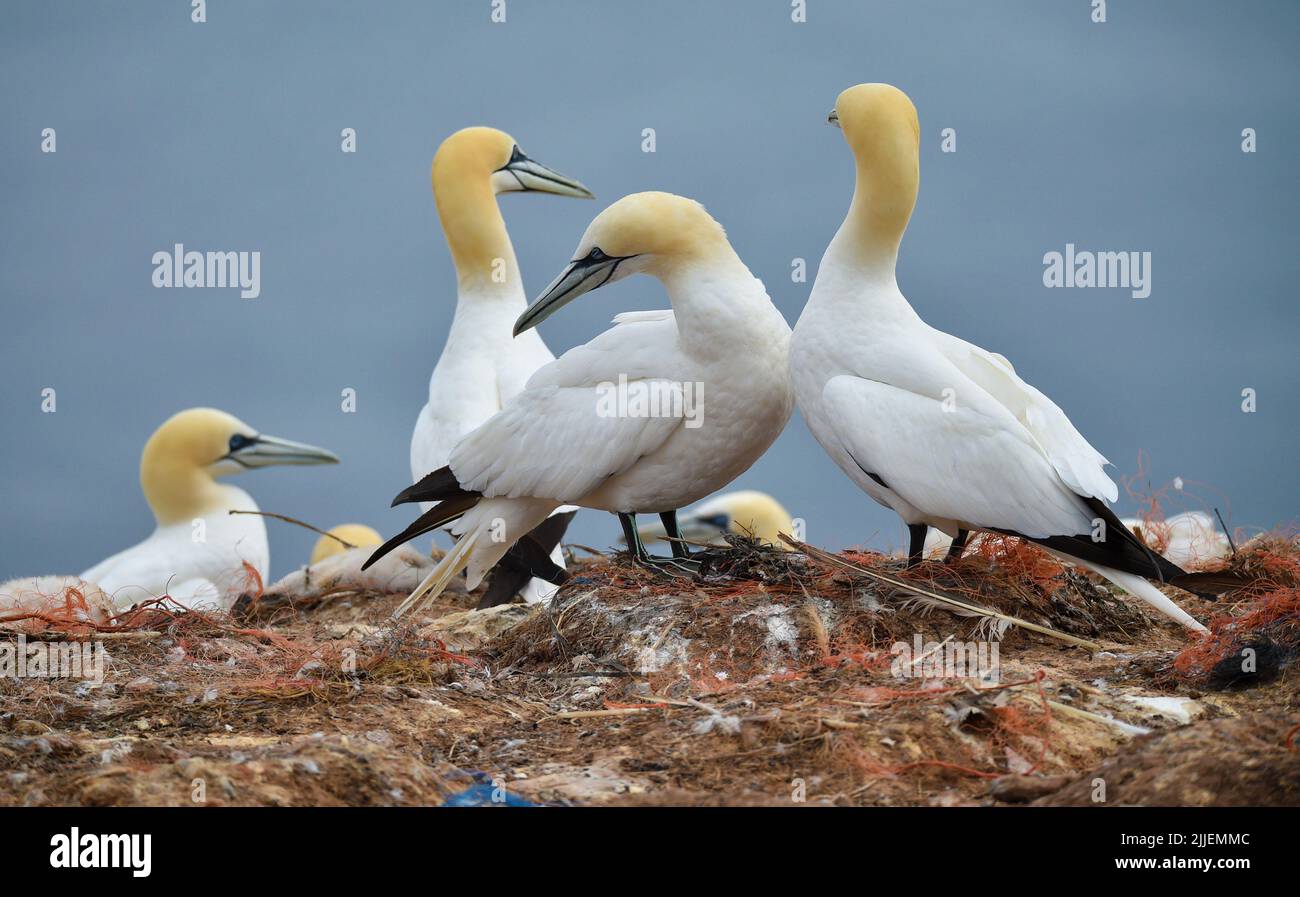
x: 225, y: 136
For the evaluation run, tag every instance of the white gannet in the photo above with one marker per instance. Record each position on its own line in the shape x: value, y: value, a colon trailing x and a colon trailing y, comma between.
x: 198, y: 551
x: 747, y: 512
x: 356, y: 535
x: 940, y: 430
x: 482, y: 365
x: 657, y: 412
x: 1186, y: 539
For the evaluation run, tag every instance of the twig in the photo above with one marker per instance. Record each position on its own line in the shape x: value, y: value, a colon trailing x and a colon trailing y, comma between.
x: 935, y: 594
x: 1231, y: 544
x: 344, y: 542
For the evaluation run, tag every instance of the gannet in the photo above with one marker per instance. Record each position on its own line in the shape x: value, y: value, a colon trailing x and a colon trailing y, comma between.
x: 355, y: 534
x: 717, y: 363
x: 940, y: 430
x: 198, y: 551
x: 1185, y: 539
x: 747, y: 512
x: 482, y: 366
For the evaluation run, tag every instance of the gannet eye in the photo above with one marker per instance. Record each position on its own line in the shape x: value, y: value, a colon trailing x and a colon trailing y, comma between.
x: 238, y: 441
x: 595, y: 255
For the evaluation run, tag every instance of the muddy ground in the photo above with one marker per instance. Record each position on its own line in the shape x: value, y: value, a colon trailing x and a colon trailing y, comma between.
x: 769, y: 679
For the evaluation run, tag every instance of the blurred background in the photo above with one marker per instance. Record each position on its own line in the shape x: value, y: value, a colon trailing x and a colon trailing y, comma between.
x: 225, y: 135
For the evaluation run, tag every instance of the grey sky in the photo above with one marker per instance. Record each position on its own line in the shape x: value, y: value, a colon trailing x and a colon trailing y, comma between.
x: 225, y: 136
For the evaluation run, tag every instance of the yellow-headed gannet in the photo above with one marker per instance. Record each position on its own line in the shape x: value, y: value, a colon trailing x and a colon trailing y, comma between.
x: 655, y: 413
x: 942, y: 431
x: 356, y: 535
x: 198, y: 551
x: 748, y: 512
x: 482, y: 366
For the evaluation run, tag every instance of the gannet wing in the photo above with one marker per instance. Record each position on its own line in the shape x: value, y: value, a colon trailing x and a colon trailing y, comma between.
x: 958, y: 462
x: 1080, y: 465
x: 555, y: 442
x: 566, y: 433
x: 642, y: 346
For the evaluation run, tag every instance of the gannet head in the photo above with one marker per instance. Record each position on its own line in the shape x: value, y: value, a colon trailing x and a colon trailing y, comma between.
x: 881, y: 127
x: 747, y: 512
x: 186, y: 454
x: 650, y: 232
x: 355, y: 534
x: 493, y: 157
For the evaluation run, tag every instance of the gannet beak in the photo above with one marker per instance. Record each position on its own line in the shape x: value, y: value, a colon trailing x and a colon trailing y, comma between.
x: 530, y: 175
x: 268, y: 451
x: 833, y: 118
x: 581, y: 276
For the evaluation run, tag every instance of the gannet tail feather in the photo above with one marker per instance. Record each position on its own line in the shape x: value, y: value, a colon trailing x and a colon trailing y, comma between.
x: 1119, y: 550
x: 439, y: 515
x: 436, y: 582
x: 437, y: 486
x: 529, y: 558
x: 1139, y: 587
x: 485, y: 536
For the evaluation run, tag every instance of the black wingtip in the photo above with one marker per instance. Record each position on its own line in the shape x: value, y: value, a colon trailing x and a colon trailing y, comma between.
x: 437, y: 486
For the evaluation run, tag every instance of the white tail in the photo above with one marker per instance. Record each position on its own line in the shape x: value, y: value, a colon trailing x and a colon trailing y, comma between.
x: 486, y: 532
x: 1138, y: 586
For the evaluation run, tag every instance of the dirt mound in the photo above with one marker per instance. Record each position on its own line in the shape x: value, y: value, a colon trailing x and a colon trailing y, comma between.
x: 772, y: 677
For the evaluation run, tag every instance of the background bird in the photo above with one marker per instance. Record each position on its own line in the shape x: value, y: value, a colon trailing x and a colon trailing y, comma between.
x: 482, y: 364
x: 198, y: 551
x: 357, y: 535
x: 746, y: 512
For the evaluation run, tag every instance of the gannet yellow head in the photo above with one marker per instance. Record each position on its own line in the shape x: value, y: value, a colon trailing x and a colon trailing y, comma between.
x: 355, y: 534
x: 645, y: 232
x: 881, y: 127
x: 470, y: 168
x: 747, y: 512
x: 183, y: 458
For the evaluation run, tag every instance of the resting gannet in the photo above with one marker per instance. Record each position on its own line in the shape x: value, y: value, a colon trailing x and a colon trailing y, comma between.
x: 748, y: 512
x: 356, y: 535
x: 942, y: 431
x: 1185, y: 539
x: 482, y: 366
x: 197, y: 553
x: 657, y: 412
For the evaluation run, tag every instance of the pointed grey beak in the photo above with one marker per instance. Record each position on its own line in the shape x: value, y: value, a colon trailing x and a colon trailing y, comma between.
x: 534, y: 176
x: 269, y: 451
x: 833, y: 118
x: 582, y: 276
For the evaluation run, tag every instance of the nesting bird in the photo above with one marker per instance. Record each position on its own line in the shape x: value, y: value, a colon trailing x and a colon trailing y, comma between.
x: 482, y: 365
x: 342, y: 538
x: 942, y: 431
x: 198, y: 551
x: 653, y: 414
x: 747, y: 512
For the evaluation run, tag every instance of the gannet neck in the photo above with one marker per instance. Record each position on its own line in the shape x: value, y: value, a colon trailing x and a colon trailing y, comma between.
x: 476, y: 231
x: 881, y: 127
x: 716, y: 300
x: 177, y: 489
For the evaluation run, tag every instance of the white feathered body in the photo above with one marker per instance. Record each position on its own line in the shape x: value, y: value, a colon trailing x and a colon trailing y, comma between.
x: 480, y: 369
x: 199, y: 563
x: 556, y: 443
